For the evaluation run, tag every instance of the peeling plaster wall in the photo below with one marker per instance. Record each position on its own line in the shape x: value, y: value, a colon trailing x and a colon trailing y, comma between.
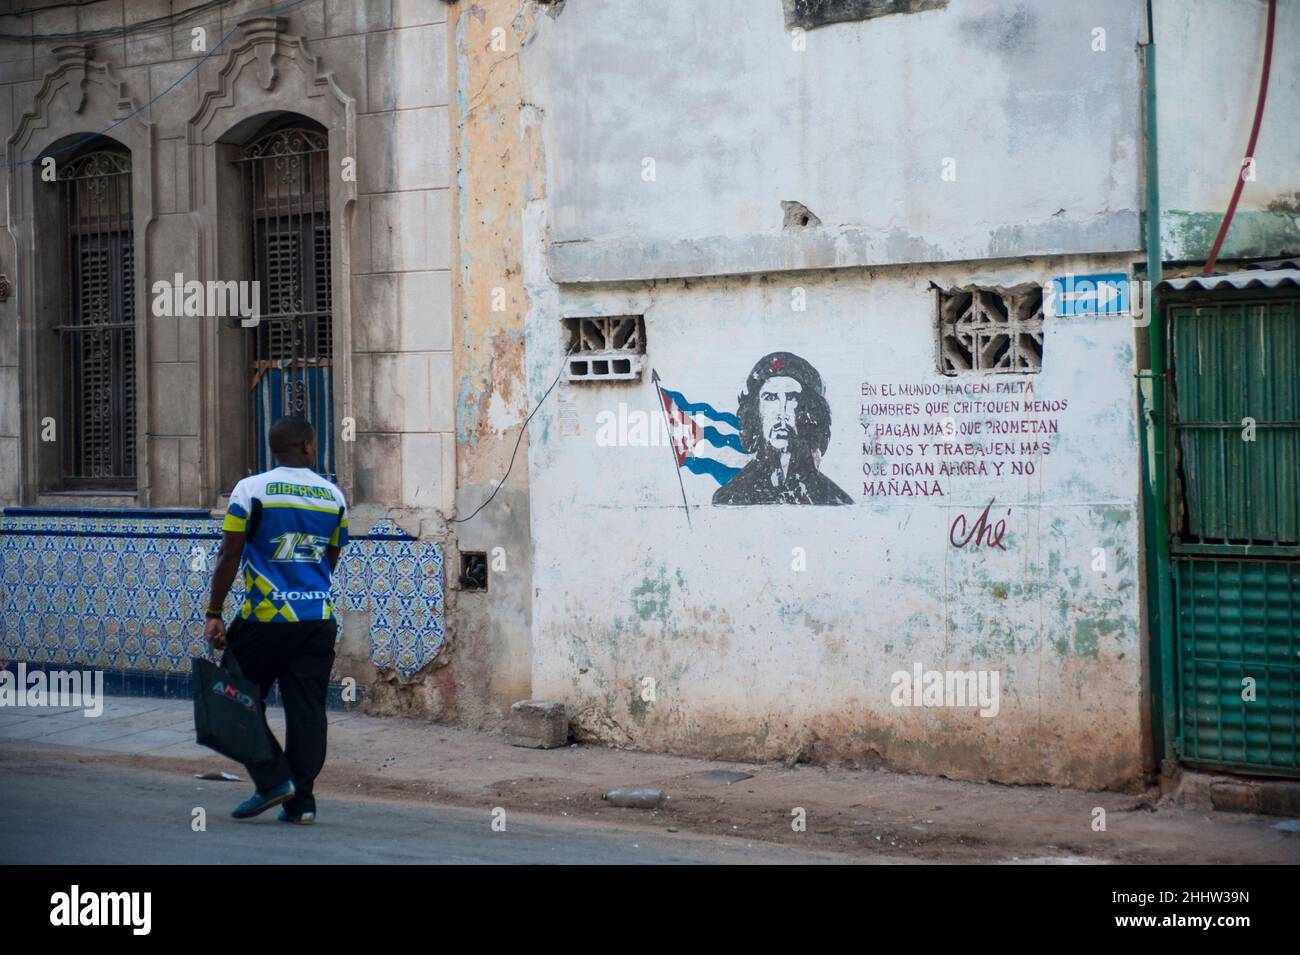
x: 1209, y: 54
x: 500, y: 172
x: 754, y: 659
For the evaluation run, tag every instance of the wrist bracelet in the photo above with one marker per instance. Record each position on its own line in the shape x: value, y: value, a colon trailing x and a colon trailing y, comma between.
x: 213, y: 615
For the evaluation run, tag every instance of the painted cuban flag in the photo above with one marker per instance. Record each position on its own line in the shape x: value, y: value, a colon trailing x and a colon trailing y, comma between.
x: 705, y: 440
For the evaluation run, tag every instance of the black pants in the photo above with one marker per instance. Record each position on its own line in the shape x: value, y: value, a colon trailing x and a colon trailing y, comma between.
x: 300, y: 656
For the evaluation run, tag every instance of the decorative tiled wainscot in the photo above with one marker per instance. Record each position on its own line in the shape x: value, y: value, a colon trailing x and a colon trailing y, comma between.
x: 125, y: 592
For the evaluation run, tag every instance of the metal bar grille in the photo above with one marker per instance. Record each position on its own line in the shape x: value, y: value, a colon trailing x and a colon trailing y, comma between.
x: 97, y: 335
x: 1236, y: 426
x: 1237, y: 621
x: 1235, y: 528
x: 290, y: 352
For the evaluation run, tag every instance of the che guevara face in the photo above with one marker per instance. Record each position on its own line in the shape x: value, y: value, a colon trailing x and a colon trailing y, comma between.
x: 778, y: 403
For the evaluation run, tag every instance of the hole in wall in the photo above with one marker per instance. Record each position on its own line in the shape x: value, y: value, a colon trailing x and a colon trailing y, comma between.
x: 473, y: 570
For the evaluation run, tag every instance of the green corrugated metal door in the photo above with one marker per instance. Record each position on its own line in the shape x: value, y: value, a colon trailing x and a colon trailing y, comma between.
x: 1235, y: 523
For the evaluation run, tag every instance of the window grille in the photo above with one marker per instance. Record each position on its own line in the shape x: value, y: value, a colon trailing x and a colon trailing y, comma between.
x: 285, y: 178
x: 97, y: 334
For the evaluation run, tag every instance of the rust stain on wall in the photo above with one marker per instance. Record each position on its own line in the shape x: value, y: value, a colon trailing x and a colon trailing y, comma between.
x: 499, y: 169
x: 498, y: 163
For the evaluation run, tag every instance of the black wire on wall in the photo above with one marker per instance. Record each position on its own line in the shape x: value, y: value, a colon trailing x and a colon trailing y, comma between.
x: 111, y: 33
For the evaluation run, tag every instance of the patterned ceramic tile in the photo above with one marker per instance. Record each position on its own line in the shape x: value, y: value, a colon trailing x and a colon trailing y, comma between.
x: 128, y: 591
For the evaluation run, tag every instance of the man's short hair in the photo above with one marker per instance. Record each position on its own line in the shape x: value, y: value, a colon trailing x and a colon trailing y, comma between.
x: 290, y: 432
x: 812, y: 420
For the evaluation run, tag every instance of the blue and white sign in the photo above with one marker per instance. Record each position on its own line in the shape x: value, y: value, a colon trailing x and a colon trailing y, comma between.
x: 1106, y: 294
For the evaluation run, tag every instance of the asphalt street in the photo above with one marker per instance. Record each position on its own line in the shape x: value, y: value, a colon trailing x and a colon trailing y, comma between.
x: 54, y: 809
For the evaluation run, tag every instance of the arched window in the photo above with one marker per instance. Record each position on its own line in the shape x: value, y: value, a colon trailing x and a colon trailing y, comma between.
x: 97, y: 330
x: 285, y: 177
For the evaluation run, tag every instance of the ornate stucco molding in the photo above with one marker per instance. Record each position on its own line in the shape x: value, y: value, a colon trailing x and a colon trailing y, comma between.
x: 266, y: 52
x: 66, y: 91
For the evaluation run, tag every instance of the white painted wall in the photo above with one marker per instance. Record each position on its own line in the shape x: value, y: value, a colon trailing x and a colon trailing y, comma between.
x: 752, y: 659
x: 1209, y: 55
x: 1045, y: 133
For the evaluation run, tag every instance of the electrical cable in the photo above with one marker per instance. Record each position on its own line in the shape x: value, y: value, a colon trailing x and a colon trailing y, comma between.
x: 522, y: 431
x: 111, y: 33
x: 73, y: 146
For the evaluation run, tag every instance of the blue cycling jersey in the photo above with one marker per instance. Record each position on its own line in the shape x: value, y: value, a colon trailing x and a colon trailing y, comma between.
x: 296, y: 514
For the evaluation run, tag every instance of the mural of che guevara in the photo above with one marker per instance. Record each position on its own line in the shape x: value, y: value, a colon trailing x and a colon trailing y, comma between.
x: 785, y: 423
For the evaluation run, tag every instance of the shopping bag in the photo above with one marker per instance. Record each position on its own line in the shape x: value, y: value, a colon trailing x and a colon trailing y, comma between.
x: 228, y: 712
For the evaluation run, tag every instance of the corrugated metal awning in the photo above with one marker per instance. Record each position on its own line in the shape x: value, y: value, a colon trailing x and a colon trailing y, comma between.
x: 1280, y: 274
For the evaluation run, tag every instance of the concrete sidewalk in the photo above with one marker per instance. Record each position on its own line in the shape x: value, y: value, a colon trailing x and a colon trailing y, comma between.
x: 914, y: 817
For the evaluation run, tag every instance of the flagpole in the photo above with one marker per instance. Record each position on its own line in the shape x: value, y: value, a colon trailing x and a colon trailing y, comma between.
x: 672, y: 444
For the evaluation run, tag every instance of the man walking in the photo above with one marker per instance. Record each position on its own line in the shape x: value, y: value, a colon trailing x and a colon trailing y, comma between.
x: 286, y: 527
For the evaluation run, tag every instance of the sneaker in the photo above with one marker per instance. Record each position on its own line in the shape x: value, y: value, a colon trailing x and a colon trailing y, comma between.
x: 297, y: 818
x: 259, y: 803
